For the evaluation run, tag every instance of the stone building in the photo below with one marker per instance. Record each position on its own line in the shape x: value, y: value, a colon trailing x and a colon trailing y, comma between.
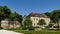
x: 35, y: 17
x: 6, y: 23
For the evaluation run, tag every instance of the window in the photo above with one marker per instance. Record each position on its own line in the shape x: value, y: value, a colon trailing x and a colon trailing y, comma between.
x: 37, y: 19
x: 34, y: 24
x: 34, y: 19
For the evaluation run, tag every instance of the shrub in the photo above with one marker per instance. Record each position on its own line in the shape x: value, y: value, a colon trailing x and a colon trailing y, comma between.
x: 56, y: 26
x: 24, y: 28
x: 31, y: 28
x: 1, y: 28
x: 18, y: 28
x: 47, y: 27
x: 36, y: 27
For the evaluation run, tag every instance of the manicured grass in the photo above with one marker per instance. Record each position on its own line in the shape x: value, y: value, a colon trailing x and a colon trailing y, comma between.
x: 38, y: 32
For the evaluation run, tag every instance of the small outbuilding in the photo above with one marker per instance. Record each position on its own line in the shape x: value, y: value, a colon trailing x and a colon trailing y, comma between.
x: 6, y: 23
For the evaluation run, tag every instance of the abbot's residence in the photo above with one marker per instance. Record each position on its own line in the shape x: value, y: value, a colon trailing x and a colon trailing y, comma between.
x: 35, y: 17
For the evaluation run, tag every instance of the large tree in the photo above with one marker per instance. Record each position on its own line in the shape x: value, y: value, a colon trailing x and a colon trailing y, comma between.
x: 51, y: 20
x: 7, y: 11
x: 48, y: 14
x: 55, y: 16
x: 27, y: 23
x: 41, y: 22
x: 16, y: 17
x: 1, y: 13
x: 4, y: 12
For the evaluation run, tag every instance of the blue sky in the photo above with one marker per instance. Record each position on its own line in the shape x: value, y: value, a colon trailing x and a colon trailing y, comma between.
x: 24, y: 7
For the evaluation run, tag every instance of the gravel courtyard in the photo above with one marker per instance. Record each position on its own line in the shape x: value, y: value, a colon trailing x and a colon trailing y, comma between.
x: 8, y: 32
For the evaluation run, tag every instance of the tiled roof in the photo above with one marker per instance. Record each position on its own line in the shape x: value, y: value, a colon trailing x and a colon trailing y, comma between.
x: 33, y: 14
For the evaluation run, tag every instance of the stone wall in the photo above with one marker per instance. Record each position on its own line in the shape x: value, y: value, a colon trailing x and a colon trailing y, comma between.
x: 35, y: 20
x: 9, y: 24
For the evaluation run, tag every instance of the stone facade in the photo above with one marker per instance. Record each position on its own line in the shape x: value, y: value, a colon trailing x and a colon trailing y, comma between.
x: 4, y: 24
x: 9, y: 24
x: 35, y: 20
x: 35, y: 17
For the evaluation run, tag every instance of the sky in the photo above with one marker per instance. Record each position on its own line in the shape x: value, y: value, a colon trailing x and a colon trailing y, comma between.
x: 24, y: 7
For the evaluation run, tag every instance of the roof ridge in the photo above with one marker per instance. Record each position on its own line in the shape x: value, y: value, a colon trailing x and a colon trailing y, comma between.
x: 37, y: 14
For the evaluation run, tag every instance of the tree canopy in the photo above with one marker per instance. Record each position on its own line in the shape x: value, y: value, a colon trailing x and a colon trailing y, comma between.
x: 5, y: 12
x: 54, y: 16
x: 27, y: 22
x: 41, y: 22
x: 15, y: 17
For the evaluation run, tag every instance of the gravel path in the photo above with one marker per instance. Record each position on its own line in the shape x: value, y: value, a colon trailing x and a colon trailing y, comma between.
x: 8, y: 32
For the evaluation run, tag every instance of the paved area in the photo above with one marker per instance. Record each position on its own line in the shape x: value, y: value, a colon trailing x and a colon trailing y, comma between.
x: 8, y: 32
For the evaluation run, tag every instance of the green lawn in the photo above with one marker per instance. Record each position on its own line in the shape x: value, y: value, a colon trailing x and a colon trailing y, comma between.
x: 38, y: 32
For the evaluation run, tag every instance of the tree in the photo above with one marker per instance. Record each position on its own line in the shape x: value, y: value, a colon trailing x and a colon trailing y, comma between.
x: 41, y: 22
x: 51, y: 20
x: 48, y: 14
x: 1, y: 13
x: 55, y: 16
x: 27, y: 23
x: 4, y: 12
x: 16, y: 17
